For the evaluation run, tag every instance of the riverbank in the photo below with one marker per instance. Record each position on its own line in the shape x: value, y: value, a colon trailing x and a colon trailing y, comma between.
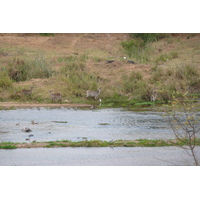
x: 9, y: 105
x: 97, y: 143
x: 129, y: 72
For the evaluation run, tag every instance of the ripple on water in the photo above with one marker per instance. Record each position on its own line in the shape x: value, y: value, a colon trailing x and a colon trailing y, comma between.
x: 70, y: 124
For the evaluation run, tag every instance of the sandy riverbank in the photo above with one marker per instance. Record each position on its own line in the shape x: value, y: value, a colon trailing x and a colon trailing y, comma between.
x: 35, y: 105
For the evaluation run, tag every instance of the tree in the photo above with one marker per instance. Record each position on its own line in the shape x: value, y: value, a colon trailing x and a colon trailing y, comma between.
x: 185, y: 123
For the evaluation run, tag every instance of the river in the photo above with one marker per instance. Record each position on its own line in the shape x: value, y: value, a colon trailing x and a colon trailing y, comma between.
x: 75, y: 125
x: 49, y: 124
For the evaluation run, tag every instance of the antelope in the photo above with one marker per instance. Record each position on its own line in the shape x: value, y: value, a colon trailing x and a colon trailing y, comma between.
x: 154, y: 95
x: 55, y: 96
x: 94, y: 94
x: 27, y: 92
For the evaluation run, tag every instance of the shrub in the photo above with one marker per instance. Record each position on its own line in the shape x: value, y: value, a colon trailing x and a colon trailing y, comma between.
x: 149, y: 37
x: 137, y: 49
x: 186, y: 72
x: 157, y: 74
x: 47, y: 34
x: 165, y: 57
x: 5, y: 80
x: 135, y: 86
x: 77, y: 79
x: 22, y: 70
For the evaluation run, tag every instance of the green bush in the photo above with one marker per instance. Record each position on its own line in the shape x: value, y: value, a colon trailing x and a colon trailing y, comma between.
x: 135, y: 86
x: 74, y: 75
x: 149, y: 37
x: 165, y: 57
x: 186, y: 72
x: 137, y: 50
x: 47, y: 34
x: 5, y: 80
x: 26, y: 69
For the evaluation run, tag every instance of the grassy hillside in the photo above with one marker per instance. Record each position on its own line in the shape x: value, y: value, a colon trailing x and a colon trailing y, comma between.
x: 127, y: 67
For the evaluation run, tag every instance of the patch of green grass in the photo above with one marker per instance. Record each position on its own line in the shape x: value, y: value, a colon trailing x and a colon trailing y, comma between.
x: 28, y: 68
x: 47, y: 34
x: 149, y: 37
x: 5, y: 80
x: 165, y: 57
x: 75, y: 76
x: 7, y: 145
x: 137, y: 49
x: 191, y: 35
x: 99, y: 143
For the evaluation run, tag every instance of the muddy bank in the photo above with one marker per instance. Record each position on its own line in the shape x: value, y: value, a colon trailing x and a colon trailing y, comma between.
x: 35, y: 105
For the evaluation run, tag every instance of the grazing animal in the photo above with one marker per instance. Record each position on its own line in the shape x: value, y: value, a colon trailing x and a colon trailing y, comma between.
x: 55, y: 96
x: 154, y: 95
x: 27, y: 92
x: 94, y: 94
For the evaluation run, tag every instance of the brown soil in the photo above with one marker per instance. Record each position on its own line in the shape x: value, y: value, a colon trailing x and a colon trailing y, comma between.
x: 32, y: 145
x: 35, y: 105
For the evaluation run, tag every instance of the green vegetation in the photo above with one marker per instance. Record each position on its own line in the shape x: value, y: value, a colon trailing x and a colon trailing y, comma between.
x: 8, y: 145
x: 28, y: 68
x: 163, y: 62
x: 99, y: 143
x: 165, y: 57
x: 5, y: 80
x: 47, y: 34
x: 139, y: 47
x: 149, y: 37
x: 75, y: 76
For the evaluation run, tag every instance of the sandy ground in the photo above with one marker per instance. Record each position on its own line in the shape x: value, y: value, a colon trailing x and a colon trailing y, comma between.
x: 35, y: 105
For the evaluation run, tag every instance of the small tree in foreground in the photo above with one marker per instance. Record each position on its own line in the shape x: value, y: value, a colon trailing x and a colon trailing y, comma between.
x: 185, y: 123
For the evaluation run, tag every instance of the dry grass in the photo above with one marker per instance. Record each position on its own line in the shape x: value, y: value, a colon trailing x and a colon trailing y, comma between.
x: 165, y: 60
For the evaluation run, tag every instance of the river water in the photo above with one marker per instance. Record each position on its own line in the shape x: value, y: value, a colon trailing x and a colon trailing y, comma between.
x: 75, y: 125
x: 106, y: 156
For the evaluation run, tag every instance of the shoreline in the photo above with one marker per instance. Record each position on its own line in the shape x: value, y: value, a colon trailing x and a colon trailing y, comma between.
x: 35, y: 105
x: 97, y: 143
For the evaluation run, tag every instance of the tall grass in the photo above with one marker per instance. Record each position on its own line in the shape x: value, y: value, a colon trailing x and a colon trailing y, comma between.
x: 138, y: 45
x: 135, y: 86
x: 26, y: 69
x: 165, y: 57
x: 137, y: 49
x: 47, y: 34
x: 176, y: 80
x: 5, y: 80
x: 75, y: 76
x: 149, y: 37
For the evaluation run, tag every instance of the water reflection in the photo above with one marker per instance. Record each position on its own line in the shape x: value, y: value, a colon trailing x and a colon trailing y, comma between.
x: 71, y: 124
